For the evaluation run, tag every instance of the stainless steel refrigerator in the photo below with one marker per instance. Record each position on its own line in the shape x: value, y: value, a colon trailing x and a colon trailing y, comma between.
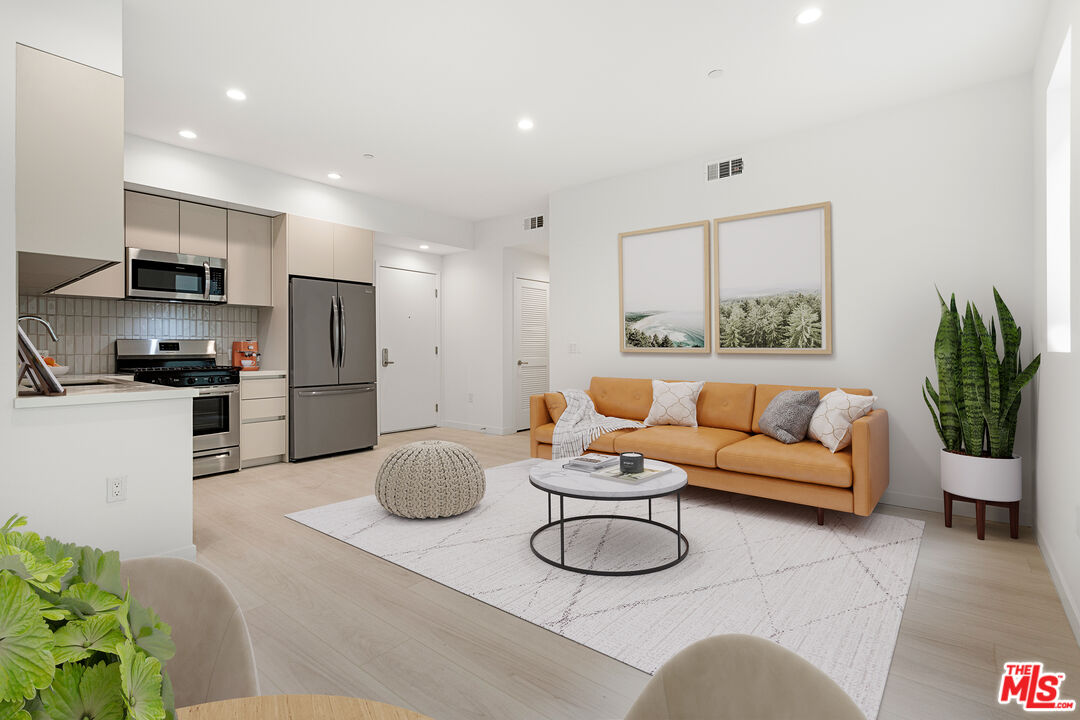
x: 332, y: 395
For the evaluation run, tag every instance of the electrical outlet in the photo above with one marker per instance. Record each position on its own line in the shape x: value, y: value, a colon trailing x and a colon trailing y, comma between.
x: 116, y: 489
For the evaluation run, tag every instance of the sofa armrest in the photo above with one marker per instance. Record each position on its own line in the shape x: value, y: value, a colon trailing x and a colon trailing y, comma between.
x: 869, y: 460
x: 538, y: 415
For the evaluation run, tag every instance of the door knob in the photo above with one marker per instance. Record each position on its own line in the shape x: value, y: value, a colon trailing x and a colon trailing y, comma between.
x: 386, y: 357
x: 522, y: 362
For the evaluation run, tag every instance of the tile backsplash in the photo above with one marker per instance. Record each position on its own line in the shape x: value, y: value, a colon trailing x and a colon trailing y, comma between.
x: 89, y: 327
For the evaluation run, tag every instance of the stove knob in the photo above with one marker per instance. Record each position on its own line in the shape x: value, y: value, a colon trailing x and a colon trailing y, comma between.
x: 190, y: 381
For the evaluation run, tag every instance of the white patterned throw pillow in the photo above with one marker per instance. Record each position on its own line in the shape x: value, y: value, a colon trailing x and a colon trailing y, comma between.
x: 831, y: 422
x: 674, y: 403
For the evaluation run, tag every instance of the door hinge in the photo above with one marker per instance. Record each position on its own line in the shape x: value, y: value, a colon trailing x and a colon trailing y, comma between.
x: 436, y: 407
x: 436, y: 292
x: 436, y: 349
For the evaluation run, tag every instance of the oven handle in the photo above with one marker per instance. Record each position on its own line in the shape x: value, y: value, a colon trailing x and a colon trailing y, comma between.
x: 222, y: 393
x: 213, y: 457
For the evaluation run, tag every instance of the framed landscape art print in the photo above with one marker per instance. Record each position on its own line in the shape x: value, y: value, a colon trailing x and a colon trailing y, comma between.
x: 664, y: 293
x: 773, y: 273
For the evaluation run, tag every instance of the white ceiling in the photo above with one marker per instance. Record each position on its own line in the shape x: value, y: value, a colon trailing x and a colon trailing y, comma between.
x: 435, y: 88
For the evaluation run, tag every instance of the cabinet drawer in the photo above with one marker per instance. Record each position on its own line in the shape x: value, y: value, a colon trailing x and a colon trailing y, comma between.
x: 255, y: 388
x: 262, y: 439
x: 262, y: 408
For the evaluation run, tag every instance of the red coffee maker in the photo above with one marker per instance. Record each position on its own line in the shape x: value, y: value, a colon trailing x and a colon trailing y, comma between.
x: 245, y: 354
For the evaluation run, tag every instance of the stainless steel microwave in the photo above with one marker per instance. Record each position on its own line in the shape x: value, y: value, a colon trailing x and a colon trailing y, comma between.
x: 155, y: 275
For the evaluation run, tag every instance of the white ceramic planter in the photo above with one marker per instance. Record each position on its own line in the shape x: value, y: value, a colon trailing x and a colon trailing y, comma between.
x: 981, y: 478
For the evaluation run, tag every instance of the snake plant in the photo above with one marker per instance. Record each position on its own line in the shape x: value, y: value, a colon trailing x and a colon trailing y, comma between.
x: 977, y: 399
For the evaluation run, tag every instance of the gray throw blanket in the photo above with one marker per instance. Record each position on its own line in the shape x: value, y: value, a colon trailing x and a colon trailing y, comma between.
x: 580, y: 424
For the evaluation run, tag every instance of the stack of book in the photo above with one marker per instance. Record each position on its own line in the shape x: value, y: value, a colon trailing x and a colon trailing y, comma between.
x: 591, y: 462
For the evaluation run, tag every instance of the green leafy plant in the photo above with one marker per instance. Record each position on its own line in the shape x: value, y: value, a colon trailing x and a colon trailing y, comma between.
x: 977, y: 399
x: 74, y: 645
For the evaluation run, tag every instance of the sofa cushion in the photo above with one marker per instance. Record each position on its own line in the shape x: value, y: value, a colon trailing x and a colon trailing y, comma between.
x: 628, y: 398
x: 764, y: 395
x: 672, y: 443
x: 726, y: 405
x: 674, y: 403
x: 788, y: 415
x: 604, y: 443
x: 807, y: 461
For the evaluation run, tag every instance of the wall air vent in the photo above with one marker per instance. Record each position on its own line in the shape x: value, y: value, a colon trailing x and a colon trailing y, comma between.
x: 534, y: 223
x: 723, y: 169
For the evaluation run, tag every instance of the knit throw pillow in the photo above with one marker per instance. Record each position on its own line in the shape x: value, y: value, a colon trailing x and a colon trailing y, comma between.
x: 787, y: 417
x: 831, y: 423
x: 674, y: 403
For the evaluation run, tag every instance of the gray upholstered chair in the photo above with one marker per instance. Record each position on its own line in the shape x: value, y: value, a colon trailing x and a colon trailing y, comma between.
x: 214, y: 659
x: 741, y: 677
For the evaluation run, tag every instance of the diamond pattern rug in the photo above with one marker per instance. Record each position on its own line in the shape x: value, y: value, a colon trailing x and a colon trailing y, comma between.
x: 834, y: 594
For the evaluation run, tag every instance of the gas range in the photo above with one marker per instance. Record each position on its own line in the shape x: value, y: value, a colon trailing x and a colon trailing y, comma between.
x: 215, y: 410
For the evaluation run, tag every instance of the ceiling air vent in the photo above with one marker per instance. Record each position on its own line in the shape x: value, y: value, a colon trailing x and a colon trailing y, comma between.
x: 723, y: 169
x: 534, y: 223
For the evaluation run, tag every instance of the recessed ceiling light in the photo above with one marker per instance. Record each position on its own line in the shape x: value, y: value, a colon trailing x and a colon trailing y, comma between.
x: 525, y: 124
x: 369, y: 156
x: 188, y: 134
x: 424, y: 247
x: 809, y: 15
x: 334, y: 175
x: 236, y: 94
x: 714, y: 74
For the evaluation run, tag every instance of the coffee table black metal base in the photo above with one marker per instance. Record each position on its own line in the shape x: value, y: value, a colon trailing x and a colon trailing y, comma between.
x: 682, y: 545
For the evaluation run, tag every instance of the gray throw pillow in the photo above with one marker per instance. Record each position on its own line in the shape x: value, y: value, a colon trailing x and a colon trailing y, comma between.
x: 788, y: 415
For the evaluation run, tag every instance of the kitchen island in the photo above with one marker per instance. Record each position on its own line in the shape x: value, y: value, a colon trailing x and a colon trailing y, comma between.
x: 108, y: 464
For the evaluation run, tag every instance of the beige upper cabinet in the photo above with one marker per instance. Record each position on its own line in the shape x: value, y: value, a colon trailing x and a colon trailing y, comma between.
x: 311, y: 247
x: 69, y: 156
x: 353, y: 254
x: 317, y: 248
x: 203, y: 230
x: 151, y: 222
x: 250, y: 274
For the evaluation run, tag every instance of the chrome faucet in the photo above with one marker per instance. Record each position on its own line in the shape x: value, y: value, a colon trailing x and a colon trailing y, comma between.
x: 43, y: 321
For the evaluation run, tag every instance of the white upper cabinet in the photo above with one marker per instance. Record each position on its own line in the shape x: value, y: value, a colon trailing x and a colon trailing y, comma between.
x: 69, y: 156
x: 151, y: 222
x: 250, y: 273
x: 311, y: 247
x: 203, y: 230
x: 353, y: 254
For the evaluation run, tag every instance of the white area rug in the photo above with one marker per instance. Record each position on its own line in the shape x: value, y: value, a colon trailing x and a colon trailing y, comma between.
x: 833, y: 594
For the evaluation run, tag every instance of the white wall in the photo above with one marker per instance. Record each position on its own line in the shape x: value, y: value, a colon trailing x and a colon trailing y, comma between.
x: 1057, y: 386
x: 56, y: 460
x: 937, y: 192
x: 477, y: 310
x: 159, y: 165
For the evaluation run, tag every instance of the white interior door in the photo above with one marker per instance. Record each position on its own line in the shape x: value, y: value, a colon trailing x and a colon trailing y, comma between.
x: 530, y: 345
x: 408, y: 359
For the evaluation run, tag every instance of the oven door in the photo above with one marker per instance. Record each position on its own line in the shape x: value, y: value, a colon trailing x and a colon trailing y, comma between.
x: 171, y: 276
x: 215, y: 421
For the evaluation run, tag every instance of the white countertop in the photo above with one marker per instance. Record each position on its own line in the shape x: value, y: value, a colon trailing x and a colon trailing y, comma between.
x: 262, y: 373
x: 109, y: 389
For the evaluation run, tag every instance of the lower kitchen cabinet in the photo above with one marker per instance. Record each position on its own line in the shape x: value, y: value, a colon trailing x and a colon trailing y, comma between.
x: 264, y: 412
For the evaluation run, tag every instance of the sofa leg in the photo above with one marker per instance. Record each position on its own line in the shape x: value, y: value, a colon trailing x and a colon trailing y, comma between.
x: 821, y: 516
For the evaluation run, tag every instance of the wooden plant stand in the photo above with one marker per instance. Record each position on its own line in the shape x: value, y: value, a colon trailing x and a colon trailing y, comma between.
x: 980, y: 513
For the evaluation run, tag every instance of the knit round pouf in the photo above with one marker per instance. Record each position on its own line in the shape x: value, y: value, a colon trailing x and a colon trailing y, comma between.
x: 430, y: 479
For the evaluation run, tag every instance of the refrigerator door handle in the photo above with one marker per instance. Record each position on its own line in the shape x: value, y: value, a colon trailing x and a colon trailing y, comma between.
x: 344, y: 333
x: 342, y: 391
x: 335, y: 330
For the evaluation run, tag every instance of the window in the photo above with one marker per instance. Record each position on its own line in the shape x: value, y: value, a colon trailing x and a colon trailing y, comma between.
x: 1058, y: 172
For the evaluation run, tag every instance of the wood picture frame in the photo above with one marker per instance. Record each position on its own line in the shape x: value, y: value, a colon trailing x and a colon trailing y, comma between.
x: 774, y: 270
x: 659, y: 291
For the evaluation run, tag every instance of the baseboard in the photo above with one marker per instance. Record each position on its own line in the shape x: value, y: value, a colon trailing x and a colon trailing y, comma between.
x: 184, y: 552
x: 961, y: 509
x: 1072, y: 609
x: 486, y: 429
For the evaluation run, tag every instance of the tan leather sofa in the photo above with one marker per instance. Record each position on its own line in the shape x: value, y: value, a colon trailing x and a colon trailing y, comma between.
x: 727, y: 450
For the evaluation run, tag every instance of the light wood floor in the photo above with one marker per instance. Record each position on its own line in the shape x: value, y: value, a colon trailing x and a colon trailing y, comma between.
x: 328, y: 618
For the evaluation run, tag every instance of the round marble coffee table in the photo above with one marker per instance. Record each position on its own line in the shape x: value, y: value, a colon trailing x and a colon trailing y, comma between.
x: 554, y: 479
